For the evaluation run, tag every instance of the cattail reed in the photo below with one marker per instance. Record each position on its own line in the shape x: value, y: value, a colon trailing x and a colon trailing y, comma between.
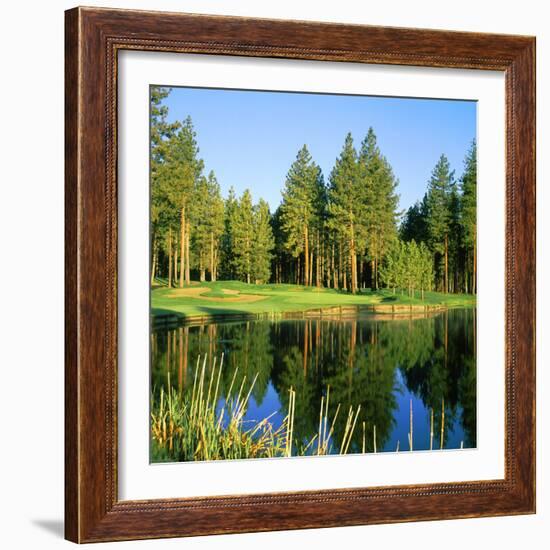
x: 431, y: 429
x: 411, y: 425
x: 442, y: 423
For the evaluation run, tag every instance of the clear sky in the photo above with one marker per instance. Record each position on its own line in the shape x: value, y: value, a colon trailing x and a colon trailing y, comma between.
x: 250, y: 138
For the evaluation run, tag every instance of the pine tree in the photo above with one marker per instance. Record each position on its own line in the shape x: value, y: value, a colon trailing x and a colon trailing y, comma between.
x: 468, y: 185
x: 346, y: 208
x: 227, y: 239
x: 439, y: 214
x: 215, y: 222
x: 414, y: 222
x: 177, y: 179
x: 301, y: 207
x: 389, y: 268
x: 201, y: 226
x: 161, y: 134
x: 379, y: 201
x: 263, y: 243
x: 243, y: 237
x: 426, y: 269
x: 455, y: 241
x: 282, y: 260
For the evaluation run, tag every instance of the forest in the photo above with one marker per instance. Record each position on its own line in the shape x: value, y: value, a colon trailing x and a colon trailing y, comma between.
x: 344, y: 231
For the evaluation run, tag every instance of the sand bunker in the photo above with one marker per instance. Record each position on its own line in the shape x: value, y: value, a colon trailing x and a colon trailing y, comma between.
x: 194, y: 291
x: 197, y: 293
x: 240, y: 298
x: 230, y: 292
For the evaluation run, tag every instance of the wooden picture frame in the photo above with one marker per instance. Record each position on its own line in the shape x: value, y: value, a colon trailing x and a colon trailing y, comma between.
x: 93, y: 39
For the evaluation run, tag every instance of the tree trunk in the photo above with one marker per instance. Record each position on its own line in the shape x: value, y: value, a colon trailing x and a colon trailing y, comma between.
x: 306, y: 256
x: 187, y: 265
x: 310, y: 278
x: 333, y: 269
x: 248, y: 259
x: 212, y: 268
x: 353, y: 261
x: 446, y: 264
x: 339, y: 267
x: 202, y: 269
x: 176, y: 263
x: 345, y: 280
x: 298, y: 270
x: 182, y: 244
x: 154, y: 261
x: 169, y: 258
x: 474, y: 281
x: 318, y: 263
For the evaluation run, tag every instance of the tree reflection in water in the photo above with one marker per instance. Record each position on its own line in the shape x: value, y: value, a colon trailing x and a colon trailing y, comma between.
x: 381, y: 365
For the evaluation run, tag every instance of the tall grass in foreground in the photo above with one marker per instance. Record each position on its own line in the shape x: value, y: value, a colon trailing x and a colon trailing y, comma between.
x: 192, y: 427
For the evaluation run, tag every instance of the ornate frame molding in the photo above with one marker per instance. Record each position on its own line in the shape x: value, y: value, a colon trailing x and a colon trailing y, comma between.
x: 93, y: 38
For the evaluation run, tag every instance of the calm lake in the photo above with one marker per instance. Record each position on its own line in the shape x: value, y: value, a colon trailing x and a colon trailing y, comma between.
x: 392, y: 367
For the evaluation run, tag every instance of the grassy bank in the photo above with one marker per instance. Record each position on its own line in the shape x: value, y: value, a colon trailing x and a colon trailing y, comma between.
x: 234, y: 298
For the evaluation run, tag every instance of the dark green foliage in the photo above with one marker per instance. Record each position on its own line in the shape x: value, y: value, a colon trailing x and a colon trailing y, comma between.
x: 379, y: 202
x: 301, y: 210
x: 468, y: 220
x: 343, y: 234
x: 263, y: 243
x: 414, y: 224
x: 408, y: 266
x: 446, y: 221
x: 347, y: 216
x: 439, y: 218
x: 242, y: 230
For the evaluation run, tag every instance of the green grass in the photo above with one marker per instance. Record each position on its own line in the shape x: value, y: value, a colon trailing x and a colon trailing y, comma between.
x: 223, y: 297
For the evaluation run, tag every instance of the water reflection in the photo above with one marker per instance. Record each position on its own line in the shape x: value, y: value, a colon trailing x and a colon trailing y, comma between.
x: 389, y: 367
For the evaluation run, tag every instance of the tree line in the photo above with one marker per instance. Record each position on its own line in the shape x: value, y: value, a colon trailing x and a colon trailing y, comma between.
x: 193, y: 228
x: 343, y: 233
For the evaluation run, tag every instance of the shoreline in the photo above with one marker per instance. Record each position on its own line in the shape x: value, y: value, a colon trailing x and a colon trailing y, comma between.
x: 347, y: 312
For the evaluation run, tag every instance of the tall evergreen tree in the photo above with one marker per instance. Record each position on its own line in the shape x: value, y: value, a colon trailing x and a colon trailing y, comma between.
x: 439, y: 214
x: 426, y: 272
x: 468, y: 185
x: 263, y: 243
x: 161, y: 134
x: 456, y: 259
x: 414, y: 222
x: 346, y: 208
x: 301, y: 206
x: 201, y: 226
x: 230, y: 215
x: 243, y: 237
x: 178, y: 176
x: 215, y: 223
x: 379, y: 201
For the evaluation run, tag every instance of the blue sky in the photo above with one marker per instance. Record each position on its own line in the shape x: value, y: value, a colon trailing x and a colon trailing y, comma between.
x: 250, y: 138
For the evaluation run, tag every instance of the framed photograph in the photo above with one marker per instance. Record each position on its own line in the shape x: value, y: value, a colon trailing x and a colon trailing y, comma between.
x: 300, y: 275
